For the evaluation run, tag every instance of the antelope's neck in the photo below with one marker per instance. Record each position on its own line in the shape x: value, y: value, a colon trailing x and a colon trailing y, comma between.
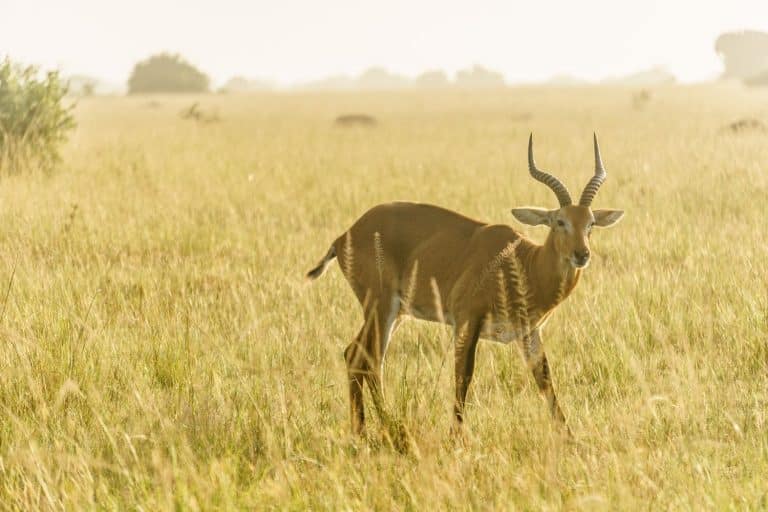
x: 555, y: 277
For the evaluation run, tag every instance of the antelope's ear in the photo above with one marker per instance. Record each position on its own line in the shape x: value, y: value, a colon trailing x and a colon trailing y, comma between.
x: 533, y: 216
x: 607, y: 218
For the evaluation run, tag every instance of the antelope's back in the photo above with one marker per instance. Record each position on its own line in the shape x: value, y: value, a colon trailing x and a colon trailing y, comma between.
x: 409, y: 249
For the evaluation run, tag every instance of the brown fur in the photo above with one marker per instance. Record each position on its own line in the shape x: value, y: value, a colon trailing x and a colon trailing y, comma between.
x: 355, y: 120
x: 397, y: 255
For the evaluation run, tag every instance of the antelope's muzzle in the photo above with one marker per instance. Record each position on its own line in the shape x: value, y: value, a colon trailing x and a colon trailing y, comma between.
x: 580, y: 258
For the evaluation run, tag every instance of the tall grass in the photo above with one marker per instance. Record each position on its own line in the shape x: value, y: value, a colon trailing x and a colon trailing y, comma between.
x: 159, y: 348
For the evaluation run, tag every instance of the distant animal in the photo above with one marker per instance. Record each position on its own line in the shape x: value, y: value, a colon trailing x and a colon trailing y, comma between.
x: 521, y: 117
x: 355, y: 120
x: 746, y: 124
x: 485, y: 280
x: 194, y: 113
x: 641, y: 98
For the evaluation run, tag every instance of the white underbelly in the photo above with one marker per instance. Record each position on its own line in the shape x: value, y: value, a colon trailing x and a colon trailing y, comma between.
x: 507, y: 332
x: 503, y: 332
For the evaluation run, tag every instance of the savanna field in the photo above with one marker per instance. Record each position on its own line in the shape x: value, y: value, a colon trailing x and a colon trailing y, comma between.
x: 160, y: 348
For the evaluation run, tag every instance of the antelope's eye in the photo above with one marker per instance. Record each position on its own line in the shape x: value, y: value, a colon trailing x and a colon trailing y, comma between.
x: 561, y: 223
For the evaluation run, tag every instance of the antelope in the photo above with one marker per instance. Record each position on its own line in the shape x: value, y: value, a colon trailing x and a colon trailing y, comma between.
x: 355, y: 120
x: 485, y: 280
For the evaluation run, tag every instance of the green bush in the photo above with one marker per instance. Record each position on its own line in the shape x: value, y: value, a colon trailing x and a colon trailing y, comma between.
x: 34, y: 121
x: 166, y: 73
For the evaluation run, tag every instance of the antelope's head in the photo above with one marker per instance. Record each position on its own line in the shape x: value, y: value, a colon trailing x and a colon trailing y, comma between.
x: 571, y: 225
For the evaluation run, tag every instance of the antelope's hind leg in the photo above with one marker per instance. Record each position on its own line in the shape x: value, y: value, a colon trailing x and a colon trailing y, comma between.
x: 356, y: 374
x: 365, y: 358
x: 466, y: 338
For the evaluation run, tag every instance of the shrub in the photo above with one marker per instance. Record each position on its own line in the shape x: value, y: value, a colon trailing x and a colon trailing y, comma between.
x: 166, y: 73
x: 34, y: 121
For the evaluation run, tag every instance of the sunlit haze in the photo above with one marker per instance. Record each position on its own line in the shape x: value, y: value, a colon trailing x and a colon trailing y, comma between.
x: 290, y: 41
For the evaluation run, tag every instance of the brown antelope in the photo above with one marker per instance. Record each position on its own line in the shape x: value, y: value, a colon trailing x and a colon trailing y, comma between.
x: 355, y: 120
x: 485, y: 280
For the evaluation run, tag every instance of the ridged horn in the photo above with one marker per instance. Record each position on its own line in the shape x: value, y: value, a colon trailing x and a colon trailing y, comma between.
x: 555, y: 184
x: 594, y: 184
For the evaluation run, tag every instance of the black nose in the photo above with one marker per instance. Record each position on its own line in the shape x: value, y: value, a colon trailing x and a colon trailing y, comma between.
x: 581, y: 256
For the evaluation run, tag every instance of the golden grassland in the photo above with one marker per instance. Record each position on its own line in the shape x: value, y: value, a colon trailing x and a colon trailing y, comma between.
x: 160, y: 349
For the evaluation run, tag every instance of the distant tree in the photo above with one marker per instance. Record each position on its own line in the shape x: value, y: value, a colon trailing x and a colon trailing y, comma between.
x: 88, y: 89
x: 331, y: 83
x: 649, y: 77
x: 566, y: 80
x: 479, y: 76
x: 241, y: 84
x: 744, y: 54
x: 81, y: 85
x: 759, y: 80
x: 166, y: 73
x: 431, y: 79
x: 34, y: 121
x: 380, y: 78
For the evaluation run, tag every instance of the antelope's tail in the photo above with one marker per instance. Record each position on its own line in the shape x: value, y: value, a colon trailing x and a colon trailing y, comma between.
x: 322, y: 265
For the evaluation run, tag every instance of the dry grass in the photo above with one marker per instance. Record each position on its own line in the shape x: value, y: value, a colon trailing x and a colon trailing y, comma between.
x: 159, y: 348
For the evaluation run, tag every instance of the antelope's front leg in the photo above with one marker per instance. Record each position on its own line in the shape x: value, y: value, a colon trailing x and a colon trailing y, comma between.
x: 537, y: 361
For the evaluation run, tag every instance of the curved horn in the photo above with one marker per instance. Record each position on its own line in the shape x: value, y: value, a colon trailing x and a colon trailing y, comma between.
x: 591, y: 189
x: 555, y: 184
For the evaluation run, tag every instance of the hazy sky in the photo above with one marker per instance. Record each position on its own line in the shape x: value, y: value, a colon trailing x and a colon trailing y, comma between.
x: 297, y: 40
